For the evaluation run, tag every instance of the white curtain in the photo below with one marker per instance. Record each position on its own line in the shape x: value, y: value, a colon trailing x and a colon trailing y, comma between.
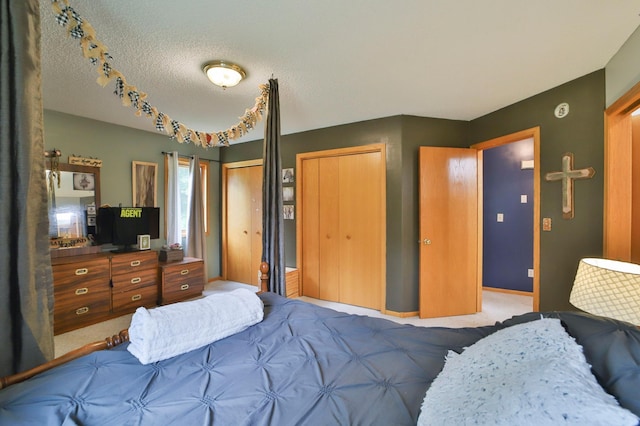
x: 195, y: 244
x: 174, y: 230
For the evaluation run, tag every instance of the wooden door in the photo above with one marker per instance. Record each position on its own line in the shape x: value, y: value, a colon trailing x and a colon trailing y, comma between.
x: 360, y: 225
x: 321, y: 231
x: 341, y: 225
x: 309, y: 203
x: 242, y: 221
x: 329, y: 208
x: 255, y: 194
x: 448, y: 231
x: 238, y: 215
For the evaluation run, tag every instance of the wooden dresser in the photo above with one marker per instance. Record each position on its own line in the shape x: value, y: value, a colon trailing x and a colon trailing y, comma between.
x: 82, y: 291
x: 180, y: 280
x: 92, y: 288
x: 134, y: 281
x: 292, y: 281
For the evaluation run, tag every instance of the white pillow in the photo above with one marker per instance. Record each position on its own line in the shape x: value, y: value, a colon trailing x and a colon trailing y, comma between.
x: 527, y: 374
x: 164, y: 332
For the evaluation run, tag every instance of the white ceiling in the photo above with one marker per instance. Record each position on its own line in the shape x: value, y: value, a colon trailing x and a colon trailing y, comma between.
x: 336, y: 61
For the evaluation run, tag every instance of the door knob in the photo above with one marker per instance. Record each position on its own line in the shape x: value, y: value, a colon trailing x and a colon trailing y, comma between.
x: 426, y: 242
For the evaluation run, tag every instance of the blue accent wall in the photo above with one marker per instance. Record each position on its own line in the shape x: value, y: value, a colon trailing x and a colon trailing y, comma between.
x: 508, y: 245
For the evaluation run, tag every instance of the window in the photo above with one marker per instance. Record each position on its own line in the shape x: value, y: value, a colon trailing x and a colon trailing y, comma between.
x: 183, y: 184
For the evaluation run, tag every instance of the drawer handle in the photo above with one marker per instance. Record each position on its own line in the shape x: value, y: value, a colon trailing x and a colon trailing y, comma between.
x: 82, y: 310
x: 82, y: 271
x: 136, y: 297
x: 135, y: 263
x: 184, y: 272
x: 136, y: 280
x: 184, y: 287
x: 82, y: 290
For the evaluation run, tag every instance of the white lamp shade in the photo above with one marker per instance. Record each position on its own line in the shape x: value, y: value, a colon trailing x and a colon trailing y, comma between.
x: 608, y: 288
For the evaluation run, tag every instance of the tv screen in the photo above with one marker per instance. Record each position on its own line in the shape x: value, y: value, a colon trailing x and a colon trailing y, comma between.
x: 121, y: 226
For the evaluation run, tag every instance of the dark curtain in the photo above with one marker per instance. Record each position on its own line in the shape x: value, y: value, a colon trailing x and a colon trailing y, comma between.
x: 26, y: 285
x: 272, y: 220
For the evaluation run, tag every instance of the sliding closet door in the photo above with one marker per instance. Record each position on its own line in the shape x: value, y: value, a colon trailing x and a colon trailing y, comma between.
x: 242, y: 222
x: 342, y: 226
x: 309, y: 203
x: 329, y: 209
x: 360, y: 229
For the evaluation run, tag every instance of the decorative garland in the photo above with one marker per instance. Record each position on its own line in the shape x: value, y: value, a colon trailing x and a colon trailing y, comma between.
x: 97, y: 53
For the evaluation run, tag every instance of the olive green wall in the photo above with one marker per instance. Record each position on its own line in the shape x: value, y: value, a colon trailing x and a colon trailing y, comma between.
x: 623, y: 69
x: 582, y: 133
x: 402, y: 136
x: 117, y: 147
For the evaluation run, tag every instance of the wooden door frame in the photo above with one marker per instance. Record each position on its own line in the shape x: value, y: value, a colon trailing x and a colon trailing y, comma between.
x: 224, y: 170
x: 534, y: 133
x: 618, y: 168
x: 300, y: 158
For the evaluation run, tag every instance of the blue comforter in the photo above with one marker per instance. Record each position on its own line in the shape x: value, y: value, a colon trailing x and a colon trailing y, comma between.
x: 302, y: 364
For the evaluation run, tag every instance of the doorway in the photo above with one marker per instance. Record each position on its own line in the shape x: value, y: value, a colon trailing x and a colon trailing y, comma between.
x: 532, y: 134
x: 621, y: 198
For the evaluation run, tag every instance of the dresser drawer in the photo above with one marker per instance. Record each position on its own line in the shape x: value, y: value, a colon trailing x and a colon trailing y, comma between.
x: 139, y: 278
x: 81, y: 274
x: 85, y: 309
x: 79, y: 293
x: 185, y: 290
x: 181, y: 280
x: 134, y: 261
x: 129, y: 300
x: 193, y: 271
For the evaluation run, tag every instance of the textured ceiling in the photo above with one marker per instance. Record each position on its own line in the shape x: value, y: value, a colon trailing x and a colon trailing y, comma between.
x: 336, y: 61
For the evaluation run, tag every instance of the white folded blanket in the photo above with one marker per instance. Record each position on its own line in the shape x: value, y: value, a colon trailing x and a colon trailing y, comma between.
x: 164, y: 332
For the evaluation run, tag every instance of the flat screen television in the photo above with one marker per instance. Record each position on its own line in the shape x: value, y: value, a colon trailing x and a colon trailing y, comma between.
x: 121, y: 226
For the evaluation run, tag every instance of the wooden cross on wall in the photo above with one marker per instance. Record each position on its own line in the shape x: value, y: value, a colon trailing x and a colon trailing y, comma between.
x: 568, y: 175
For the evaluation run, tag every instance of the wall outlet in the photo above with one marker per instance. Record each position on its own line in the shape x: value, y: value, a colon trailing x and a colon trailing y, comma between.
x: 530, y: 273
x: 523, y: 199
x: 500, y: 217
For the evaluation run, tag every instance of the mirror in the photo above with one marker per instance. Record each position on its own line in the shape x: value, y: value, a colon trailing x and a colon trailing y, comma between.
x: 73, y: 197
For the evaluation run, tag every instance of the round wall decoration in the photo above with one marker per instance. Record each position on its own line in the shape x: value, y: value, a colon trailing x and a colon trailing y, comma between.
x: 562, y: 110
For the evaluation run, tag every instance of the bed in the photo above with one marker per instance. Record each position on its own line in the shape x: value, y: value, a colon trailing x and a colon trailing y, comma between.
x: 305, y: 364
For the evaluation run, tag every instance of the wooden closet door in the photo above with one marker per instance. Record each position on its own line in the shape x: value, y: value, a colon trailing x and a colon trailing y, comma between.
x: 360, y: 222
x: 238, y: 213
x: 243, y: 219
x: 342, y: 228
x: 255, y: 195
x: 329, y: 228
x: 310, y: 228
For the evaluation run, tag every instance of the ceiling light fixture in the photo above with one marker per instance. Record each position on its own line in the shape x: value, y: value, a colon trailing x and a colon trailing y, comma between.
x: 224, y: 74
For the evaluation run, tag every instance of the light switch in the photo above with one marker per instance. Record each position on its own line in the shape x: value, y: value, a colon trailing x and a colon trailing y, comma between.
x: 530, y: 273
x: 523, y: 199
x: 500, y: 217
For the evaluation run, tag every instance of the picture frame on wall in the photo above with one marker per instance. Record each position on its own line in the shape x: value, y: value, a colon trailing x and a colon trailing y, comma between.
x: 287, y: 193
x: 288, y: 212
x: 287, y: 175
x: 84, y: 182
x: 144, y: 177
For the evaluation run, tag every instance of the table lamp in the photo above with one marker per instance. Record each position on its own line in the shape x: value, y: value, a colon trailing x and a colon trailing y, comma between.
x: 608, y: 288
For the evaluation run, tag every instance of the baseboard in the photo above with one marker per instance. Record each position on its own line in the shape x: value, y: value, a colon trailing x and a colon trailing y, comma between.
x: 504, y: 290
x: 400, y: 314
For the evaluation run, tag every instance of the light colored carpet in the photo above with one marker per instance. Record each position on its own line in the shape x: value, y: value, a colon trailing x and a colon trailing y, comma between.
x: 495, y: 307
